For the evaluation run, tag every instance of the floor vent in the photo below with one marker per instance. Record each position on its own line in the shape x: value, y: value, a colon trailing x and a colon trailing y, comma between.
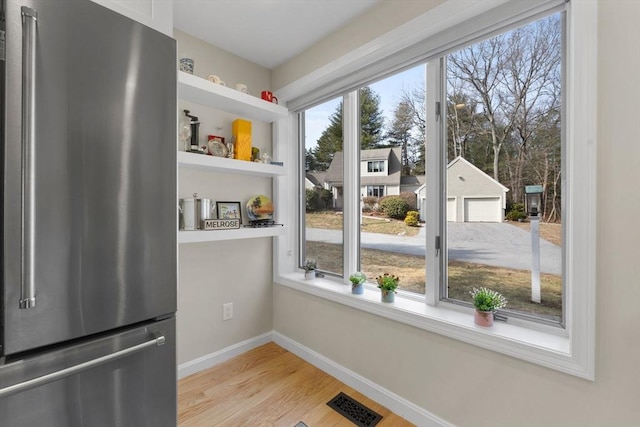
x: 354, y: 411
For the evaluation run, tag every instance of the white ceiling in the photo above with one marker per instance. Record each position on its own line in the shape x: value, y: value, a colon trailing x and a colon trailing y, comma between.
x: 266, y: 32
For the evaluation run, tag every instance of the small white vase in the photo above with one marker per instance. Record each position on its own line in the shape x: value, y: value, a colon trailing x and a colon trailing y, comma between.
x: 310, y: 275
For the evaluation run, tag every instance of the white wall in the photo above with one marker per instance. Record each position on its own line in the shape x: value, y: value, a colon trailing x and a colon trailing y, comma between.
x: 215, y: 273
x: 376, y: 21
x: 462, y: 383
x: 232, y: 69
x: 211, y: 274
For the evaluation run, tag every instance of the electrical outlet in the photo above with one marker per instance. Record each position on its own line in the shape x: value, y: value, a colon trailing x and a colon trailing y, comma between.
x: 227, y: 311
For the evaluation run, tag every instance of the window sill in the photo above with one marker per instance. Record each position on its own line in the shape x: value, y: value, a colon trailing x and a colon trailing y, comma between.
x: 545, y: 346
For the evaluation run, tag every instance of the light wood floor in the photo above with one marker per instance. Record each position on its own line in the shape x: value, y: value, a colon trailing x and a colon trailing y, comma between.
x: 267, y: 386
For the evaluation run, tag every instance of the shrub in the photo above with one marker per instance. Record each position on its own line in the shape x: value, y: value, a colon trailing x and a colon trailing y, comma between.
x: 370, y: 200
x: 410, y: 198
x: 517, y: 207
x: 310, y: 197
x: 412, y: 219
x: 312, y: 201
x: 516, y: 213
x: 394, y: 207
x: 326, y: 196
x: 318, y: 199
x: 369, y: 203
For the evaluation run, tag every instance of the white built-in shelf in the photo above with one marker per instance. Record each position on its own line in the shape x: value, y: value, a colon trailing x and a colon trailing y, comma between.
x: 222, y: 164
x: 198, y: 236
x: 202, y: 91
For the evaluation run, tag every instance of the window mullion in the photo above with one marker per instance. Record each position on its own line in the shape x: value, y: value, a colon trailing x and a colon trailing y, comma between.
x: 435, y: 257
x: 351, y: 184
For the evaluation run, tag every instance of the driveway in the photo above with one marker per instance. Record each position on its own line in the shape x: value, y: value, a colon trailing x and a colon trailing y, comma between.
x: 497, y: 244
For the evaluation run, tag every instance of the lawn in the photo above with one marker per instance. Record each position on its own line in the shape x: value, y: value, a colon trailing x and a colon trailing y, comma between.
x: 515, y: 285
x: 550, y: 232
x: 333, y: 220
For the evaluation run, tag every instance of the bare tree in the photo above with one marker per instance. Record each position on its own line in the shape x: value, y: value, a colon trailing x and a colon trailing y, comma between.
x: 462, y: 122
x: 530, y: 73
x: 514, y: 78
x: 477, y: 70
x: 415, y: 100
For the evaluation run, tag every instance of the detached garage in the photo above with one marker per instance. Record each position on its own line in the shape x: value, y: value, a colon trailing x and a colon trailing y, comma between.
x: 472, y: 195
x: 482, y: 209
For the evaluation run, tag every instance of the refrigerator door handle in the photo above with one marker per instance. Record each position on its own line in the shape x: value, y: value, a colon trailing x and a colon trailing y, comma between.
x: 27, y: 284
x: 158, y: 340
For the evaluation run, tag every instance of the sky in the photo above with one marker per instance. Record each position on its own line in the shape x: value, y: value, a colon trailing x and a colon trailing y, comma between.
x: 390, y: 91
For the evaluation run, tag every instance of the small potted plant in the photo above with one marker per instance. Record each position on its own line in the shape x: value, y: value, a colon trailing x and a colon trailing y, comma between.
x: 388, y: 284
x: 357, y: 280
x: 309, y: 268
x: 486, y: 302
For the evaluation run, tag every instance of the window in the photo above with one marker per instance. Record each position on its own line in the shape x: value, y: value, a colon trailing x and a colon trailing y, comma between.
x: 375, y: 166
x: 504, y: 132
x: 455, y: 125
x: 322, y: 224
x: 375, y: 190
x: 389, y: 130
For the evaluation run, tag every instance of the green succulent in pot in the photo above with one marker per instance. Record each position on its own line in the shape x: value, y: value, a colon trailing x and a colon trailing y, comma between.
x: 485, y: 299
x: 357, y: 278
x: 486, y: 302
x: 310, y: 265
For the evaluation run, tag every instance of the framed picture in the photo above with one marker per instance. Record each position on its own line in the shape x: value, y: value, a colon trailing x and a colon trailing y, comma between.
x: 229, y: 210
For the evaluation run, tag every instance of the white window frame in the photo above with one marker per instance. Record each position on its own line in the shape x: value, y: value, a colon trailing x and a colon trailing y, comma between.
x: 379, y: 187
x: 571, y: 350
x: 381, y: 170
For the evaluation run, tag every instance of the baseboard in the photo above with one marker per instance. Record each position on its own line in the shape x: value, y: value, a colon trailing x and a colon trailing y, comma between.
x: 210, y: 360
x: 406, y: 409
x: 400, y: 406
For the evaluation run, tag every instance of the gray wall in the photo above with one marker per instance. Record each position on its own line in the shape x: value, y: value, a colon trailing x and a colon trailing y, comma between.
x: 462, y: 383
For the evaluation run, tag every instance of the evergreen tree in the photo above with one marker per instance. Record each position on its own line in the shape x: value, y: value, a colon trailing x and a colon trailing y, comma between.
x: 401, y: 134
x: 329, y: 142
x: 371, y: 119
x: 371, y: 125
x: 310, y: 161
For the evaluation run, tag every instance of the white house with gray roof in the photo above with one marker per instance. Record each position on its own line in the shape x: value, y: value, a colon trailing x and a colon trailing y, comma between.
x: 380, y: 174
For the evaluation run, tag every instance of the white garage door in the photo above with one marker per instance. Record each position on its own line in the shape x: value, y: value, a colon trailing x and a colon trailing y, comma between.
x: 451, y: 209
x: 482, y: 210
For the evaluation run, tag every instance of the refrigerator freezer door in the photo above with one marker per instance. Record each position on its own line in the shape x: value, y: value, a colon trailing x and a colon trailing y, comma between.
x: 123, y: 379
x: 98, y: 200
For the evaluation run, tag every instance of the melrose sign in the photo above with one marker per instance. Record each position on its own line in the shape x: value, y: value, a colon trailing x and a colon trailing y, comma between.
x: 221, y: 224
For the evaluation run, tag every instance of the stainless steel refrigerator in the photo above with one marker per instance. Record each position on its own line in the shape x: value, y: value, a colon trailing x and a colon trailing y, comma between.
x: 88, y: 288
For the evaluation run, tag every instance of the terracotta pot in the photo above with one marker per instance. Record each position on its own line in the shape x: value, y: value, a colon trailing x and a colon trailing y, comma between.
x: 483, y: 318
